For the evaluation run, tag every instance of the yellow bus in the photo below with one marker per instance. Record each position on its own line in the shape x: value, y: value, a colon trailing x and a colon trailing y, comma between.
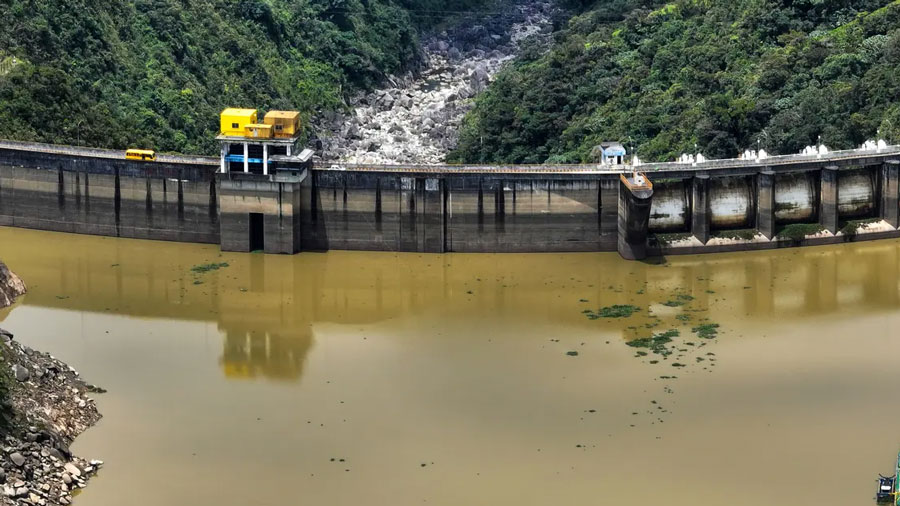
x: 140, y: 154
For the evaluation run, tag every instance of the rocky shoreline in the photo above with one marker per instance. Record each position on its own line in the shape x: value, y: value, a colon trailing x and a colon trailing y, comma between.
x: 44, y: 405
x: 416, y: 119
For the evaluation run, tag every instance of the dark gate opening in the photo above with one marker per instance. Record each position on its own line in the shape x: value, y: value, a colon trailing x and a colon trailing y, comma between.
x: 257, y: 232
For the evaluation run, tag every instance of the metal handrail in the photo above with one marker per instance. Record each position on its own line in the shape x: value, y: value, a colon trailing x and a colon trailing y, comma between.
x: 776, y: 160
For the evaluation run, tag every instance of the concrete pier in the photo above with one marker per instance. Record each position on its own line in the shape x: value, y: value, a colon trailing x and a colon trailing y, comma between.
x: 890, y: 192
x: 700, y: 216
x: 256, y: 213
x: 635, y: 195
x: 765, y: 203
x: 828, y: 198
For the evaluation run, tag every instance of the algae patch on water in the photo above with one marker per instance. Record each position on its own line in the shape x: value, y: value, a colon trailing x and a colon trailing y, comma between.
x: 679, y: 300
x: 706, y: 330
x: 655, y: 343
x: 614, y: 311
x: 204, y: 268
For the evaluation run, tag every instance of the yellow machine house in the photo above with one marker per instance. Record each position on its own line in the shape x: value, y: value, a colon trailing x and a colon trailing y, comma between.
x: 285, y: 124
x: 234, y: 121
x: 249, y: 145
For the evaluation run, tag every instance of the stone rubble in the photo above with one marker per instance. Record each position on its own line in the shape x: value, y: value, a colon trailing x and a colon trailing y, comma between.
x: 10, y: 286
x: 416, y: 119
x: 47, y: 407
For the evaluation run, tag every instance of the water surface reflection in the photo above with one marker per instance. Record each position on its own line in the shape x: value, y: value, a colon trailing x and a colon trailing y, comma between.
x: 267, y: 369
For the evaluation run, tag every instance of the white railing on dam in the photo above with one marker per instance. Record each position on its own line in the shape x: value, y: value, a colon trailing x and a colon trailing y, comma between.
x: 891, y: 151
x: 778, y: 160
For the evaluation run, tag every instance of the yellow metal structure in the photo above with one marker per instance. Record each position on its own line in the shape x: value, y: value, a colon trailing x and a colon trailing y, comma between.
x: 147, y: 155
x: 285, y: 124
x: 258, y: 131
x: 234, y: 121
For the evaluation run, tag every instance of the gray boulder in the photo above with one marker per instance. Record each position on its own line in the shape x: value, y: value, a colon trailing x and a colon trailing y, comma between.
x: 22, y: 373
x: 17, y: 459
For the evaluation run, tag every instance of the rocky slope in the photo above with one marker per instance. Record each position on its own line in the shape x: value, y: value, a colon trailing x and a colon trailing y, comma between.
x: 44, y: 405
x: 416, y: 119
x: 10, y: 286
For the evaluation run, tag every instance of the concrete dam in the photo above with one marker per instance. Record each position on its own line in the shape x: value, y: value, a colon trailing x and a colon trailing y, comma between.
x: 664, y: 208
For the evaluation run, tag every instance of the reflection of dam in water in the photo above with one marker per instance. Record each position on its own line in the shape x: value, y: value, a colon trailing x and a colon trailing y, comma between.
x: 251, y: 354
x: 267, y: 307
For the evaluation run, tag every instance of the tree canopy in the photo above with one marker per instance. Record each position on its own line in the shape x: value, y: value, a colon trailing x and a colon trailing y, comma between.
x: 723, y: 76
x: 156, y: 73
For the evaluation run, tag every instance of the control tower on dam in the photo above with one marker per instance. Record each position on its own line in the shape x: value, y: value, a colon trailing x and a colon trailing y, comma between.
x: 264, y: 192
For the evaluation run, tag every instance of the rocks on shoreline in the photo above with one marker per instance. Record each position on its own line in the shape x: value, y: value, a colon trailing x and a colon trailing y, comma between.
x: 49, y: 407
x: 416, y: 119
x: 44, y: 405
x: 10, y: 286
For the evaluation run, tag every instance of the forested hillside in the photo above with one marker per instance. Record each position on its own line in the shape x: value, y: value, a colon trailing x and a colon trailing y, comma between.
x: 718, y: 74
x: 155, y: 73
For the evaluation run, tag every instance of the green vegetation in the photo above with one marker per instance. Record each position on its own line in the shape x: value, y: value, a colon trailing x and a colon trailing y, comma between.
x: 853, y: 226
x: 665, y: 76
x: 156, y: 73
x: 680, y: 299
x: 669, y: 238
x: 706, y: 330
x: 203, y: 268
x: 614, y: 311
x: 656, y: 343
x: 745, y: 234
x: 6, y: 384
x: 797, y: 231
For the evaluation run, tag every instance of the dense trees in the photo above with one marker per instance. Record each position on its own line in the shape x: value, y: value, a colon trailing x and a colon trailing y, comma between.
x: 155, y: 73
x: 721, y: 75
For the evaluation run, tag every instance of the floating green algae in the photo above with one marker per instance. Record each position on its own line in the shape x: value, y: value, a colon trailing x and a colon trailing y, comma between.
x: 614, y: 311
x: 203, y: 268
x: 706, y: 330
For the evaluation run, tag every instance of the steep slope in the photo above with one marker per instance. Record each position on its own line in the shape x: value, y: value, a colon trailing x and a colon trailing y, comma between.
x: 11, y: 286
x: 156, y: 73
x: 417, y: 119
x: 718, y: 75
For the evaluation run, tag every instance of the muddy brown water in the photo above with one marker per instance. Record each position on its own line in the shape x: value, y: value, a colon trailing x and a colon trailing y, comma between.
x: 446, y: 380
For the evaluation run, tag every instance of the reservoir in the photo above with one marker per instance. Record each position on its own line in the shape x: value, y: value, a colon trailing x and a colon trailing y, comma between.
x: 379, y: 378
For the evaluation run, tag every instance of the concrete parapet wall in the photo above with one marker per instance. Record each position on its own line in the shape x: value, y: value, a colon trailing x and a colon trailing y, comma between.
x: 415, y: 212
x: 492, y: 214
x: 119, y: 198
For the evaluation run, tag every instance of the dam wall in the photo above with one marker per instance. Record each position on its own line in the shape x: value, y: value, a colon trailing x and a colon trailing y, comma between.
x: 462, y: 213
x: 690, y: 208
x: 111, y: 197
x: 729, y: 210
